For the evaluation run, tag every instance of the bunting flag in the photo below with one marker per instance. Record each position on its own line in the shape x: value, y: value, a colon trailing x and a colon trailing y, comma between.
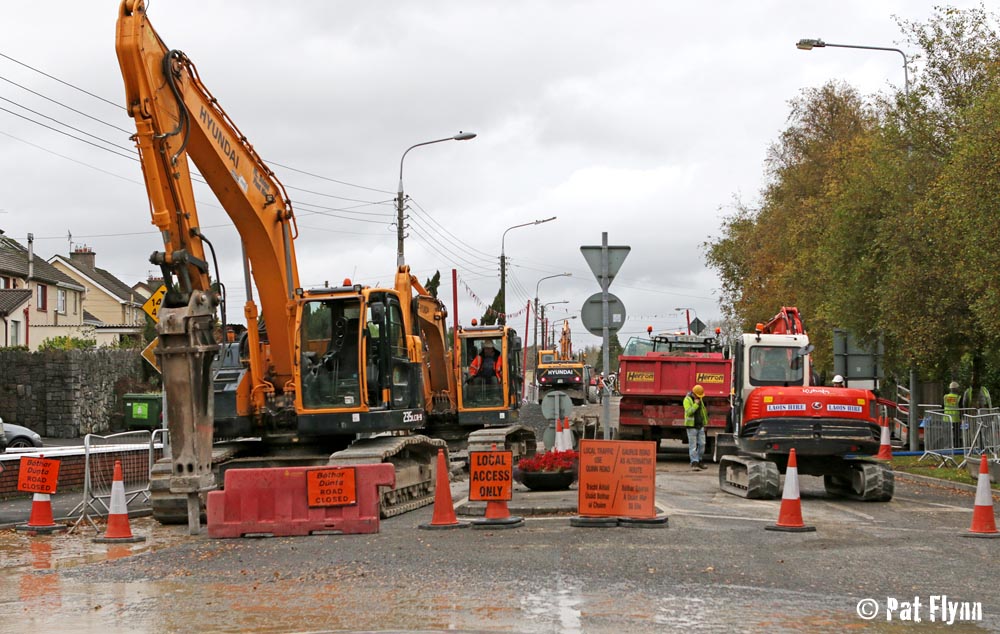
x: 488, y: 308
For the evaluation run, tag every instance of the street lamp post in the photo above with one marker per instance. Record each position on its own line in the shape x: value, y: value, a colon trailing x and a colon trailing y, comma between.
x: 810, y: 44
x: 535, y: 326
x: 503, y: 266
x: 545, y: 325
x: 461, y: 136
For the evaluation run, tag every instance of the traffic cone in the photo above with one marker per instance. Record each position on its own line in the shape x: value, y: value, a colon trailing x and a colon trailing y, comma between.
x: 40, y: 520
x: 567, y: 435
x: 885, y: 447
x: 444, y: 509
x: 983, y: 522
x: 497, y: 514
x: 790, y: 514
x: 118, y: 530
x: 557, y: 444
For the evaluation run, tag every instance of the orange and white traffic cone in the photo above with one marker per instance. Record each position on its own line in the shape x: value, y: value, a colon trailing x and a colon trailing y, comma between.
x: 885, y: 446
x: 557, y: 444
x: 444, y: 508
x: 790, y: 514
x: 567, y: 435
x: 118, y: 529
x: 984, y: 524
x: 40, y: 520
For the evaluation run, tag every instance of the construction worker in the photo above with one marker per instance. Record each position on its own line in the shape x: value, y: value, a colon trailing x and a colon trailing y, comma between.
x: 695, y: 419
x: 838, y: 381
x: 983, y: 402
x: 951, y: 403
x: 486, y: 368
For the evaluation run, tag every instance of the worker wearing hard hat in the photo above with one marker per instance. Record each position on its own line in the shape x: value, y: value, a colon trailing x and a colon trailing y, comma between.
x: 838, y: 381
x: 486, y: 366
x: 951, y: 403
x: 695, y: 419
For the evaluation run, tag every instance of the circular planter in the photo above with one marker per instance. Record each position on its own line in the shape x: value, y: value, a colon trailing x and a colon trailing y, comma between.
x: 546, y: 480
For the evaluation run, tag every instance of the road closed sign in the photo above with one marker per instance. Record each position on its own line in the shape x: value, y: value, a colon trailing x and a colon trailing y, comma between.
x: 617, y: 478
x: 491, y: 476
x: 38, y: 475
x: 331, y: 487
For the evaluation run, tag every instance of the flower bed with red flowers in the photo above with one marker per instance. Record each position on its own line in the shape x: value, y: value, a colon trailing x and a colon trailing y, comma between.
x: 551, y: 461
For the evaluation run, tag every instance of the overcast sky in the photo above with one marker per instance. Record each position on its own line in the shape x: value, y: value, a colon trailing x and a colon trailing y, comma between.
x: 642, y: 119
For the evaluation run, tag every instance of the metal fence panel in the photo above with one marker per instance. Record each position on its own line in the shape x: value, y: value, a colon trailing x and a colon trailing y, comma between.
x: 136, y: 450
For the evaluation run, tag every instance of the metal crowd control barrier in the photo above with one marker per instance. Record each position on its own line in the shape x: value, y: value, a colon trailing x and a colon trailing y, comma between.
x: 981, y: 433
x: 939, y: 437
x: 136, y: 450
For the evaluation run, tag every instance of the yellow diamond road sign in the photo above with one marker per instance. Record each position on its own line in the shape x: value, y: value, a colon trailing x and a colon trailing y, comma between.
x: 152, y: 305
x: 149, y: 356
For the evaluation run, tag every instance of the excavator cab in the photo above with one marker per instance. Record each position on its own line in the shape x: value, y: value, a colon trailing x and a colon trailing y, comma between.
x: 353, y: 358
x: 491, y: 383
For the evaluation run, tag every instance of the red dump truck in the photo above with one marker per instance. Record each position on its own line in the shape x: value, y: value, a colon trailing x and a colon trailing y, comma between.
x: 656, y: 373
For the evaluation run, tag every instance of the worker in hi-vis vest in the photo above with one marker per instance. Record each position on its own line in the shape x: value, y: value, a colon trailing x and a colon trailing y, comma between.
x: 951, y: 400
x: 695, y: 419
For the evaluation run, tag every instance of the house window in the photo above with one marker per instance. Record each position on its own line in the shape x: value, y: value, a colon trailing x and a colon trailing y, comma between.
x: 4, y: 282
x: 61, y: 301
x: 43, y: 297
x: 15, y: 333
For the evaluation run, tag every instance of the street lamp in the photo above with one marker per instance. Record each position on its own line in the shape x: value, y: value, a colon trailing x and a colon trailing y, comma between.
x: 544, y: 325
x: 687, y: 315
x: 461, y: 136
x: 503, y: 266
x: 535, y: 326
x: 808, y: 45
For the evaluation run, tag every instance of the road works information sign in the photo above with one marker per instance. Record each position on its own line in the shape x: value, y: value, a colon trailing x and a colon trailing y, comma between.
x: 617, y: 478
x: 490, y: 476
x: 38, y: 475
x: 331, y: 487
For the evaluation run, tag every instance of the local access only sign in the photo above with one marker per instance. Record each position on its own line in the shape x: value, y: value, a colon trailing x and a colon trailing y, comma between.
x: 617, y: 478
x: 37, y: 475
x: 491, y: 476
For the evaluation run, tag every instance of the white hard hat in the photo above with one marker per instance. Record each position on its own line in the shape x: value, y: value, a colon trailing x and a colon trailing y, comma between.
x: 838, y: 379
x: 953, y: 385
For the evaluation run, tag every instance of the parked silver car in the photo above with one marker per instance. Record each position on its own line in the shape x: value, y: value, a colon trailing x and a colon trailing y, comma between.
x: 17, y: 437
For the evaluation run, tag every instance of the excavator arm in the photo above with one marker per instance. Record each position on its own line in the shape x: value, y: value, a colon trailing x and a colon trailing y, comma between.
x: 177, y: 119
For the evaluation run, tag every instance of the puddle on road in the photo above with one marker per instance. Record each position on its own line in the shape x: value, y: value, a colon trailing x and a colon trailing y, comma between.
x: 33, y: 590
x: 20, y: 551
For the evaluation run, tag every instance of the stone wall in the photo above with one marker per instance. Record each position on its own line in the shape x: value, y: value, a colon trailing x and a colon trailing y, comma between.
x: 67, y: 394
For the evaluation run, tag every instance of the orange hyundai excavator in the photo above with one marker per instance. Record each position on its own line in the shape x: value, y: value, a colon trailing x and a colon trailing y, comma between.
x: 349, y: 371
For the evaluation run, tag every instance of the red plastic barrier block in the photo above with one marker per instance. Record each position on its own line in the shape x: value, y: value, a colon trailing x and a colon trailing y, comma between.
x: 275, y: 502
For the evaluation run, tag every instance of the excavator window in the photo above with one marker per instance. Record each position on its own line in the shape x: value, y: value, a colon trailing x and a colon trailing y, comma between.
x: 329, y: 339
x: 775, y: 365
x: 482, y: 387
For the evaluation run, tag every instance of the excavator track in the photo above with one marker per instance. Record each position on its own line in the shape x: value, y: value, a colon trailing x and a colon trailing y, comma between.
x: 865, y: 481
x: 517, y: 439
x: 171, y: 508
x: 749, y: 478
x: 415, y: 459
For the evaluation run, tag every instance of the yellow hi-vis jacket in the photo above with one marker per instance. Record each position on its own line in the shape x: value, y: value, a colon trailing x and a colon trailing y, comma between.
x: 693, y: 408
x: 951, y: 407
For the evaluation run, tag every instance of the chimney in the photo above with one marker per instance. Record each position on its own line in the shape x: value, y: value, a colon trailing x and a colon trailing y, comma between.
x: 83, y: 256
x: 31, y: 256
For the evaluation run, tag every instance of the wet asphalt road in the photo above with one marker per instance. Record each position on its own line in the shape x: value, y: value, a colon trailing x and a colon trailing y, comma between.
x: 714, y: 569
